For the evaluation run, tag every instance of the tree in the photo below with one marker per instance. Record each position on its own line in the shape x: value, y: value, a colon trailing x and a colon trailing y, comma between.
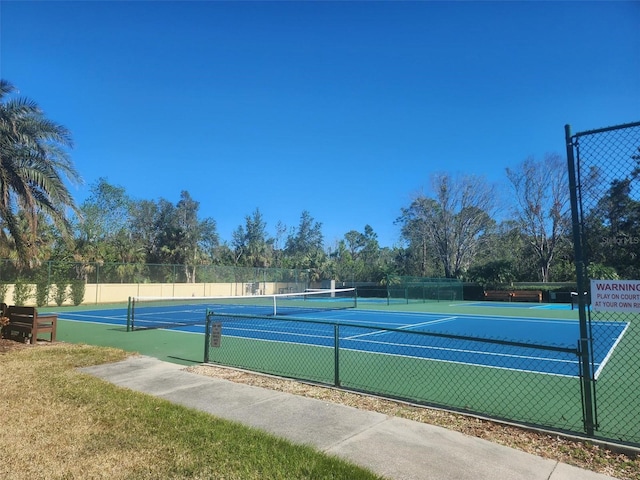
x: 451, y: 223
x: 164, y: 233
x: 252, y: 243
x: 34, y: 163
x: 354, y: 242
x: 306, y: 239
x: 209, y: 240
x: 105, y: 233
x: 281, y: 229
x: 542, y: 209
x: 175, y: 235
x: 104, y: 215
x: 189, y: 226
x: 358, y: 256
x: 417, y: 258
x: 145, y: 228
x: 501, y: 260
x: 42, y: 243
x: 613, y: 229
x: 106, y: 211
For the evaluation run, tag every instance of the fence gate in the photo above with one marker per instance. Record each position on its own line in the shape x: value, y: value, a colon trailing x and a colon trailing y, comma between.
x: 604, y: 177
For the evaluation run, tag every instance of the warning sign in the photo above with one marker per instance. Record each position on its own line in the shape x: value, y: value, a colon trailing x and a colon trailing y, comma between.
x: 216, y: 334
x: 615, y: 296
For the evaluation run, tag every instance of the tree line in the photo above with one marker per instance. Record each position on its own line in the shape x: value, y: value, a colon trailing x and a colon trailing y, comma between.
x: 460, y: 229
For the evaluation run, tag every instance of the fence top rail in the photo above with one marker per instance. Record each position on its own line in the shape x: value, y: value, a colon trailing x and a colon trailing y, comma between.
x: 606, y: 129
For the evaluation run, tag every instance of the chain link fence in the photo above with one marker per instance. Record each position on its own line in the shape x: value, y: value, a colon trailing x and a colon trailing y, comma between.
x: 604, y: 167
x: 500, y: 378
x: 57, y: 282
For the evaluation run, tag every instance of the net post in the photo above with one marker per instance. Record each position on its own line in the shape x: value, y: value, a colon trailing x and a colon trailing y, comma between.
x: 129, y: 312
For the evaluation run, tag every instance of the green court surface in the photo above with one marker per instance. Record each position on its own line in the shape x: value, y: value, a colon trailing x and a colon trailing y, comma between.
x: 175, y: 347
x: 166, y: 345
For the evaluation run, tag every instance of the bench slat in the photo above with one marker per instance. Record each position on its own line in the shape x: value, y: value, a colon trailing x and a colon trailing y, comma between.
x: 497, y: 295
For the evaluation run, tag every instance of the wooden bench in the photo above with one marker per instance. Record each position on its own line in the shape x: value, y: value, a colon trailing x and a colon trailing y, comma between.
x: 527, y: 296
x: 25, y: 324
x: 497, y: 295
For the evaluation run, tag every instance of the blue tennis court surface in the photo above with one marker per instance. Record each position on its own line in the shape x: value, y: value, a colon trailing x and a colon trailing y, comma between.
x: 358, y: 335
x: 532, y: 306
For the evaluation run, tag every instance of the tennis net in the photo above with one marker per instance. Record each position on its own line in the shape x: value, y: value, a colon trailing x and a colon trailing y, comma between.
x: 172, y: 312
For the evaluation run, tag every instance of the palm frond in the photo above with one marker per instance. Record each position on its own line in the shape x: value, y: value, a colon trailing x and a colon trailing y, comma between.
x: 34, y: 164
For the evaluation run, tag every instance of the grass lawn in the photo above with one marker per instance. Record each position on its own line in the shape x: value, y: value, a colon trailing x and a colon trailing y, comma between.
x: 60, y: 423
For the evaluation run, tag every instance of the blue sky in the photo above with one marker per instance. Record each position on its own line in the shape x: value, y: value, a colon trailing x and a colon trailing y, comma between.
x: 344, y: 109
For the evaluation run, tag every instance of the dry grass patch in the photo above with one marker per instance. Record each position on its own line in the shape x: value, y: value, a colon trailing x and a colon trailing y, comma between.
x: 48, y: 431
x: 60, y: 423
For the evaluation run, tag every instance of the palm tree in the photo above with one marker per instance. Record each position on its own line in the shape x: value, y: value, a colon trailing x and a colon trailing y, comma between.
x: 33, y: 166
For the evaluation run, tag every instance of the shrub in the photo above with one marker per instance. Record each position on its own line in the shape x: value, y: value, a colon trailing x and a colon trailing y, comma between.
x: 22, y: 292
x: 77, y: 292
x: 61, y: 294
x: 42, y: 292
x: 4, y: 288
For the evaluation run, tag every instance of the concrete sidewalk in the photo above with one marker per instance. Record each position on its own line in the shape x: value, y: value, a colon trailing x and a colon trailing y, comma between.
x: 393, y: 447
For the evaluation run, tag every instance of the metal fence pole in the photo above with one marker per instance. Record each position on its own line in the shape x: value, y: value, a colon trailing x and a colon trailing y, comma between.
x: 336, y: 357
x: 585, y: 361
x: 207, y: 337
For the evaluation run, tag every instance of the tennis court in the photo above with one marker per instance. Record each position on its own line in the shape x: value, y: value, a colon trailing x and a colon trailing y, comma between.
x: 509, y: 341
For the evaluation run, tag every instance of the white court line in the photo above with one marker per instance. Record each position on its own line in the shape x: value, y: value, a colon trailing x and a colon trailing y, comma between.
x: 460, y: 316
x: 432, y: 322
x: 610, y: 352
x: 458, y: 362
x: 283, y: 333
x: 477, y: 352
x: 404, y: 327
x: 112, y: 317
